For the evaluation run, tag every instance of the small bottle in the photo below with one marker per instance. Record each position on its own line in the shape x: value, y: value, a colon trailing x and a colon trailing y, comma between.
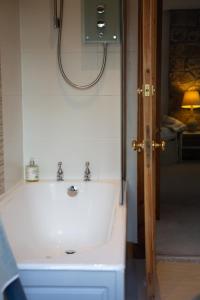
x: 32, y: 171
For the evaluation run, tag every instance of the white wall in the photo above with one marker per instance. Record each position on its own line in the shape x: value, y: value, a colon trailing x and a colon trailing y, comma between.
x: 132, y: 45
x: 11, y: 91
x: 62, y: 123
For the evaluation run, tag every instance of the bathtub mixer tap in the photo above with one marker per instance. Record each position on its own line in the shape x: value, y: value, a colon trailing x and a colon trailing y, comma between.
x: 87, y: 173
x: 60, y: 173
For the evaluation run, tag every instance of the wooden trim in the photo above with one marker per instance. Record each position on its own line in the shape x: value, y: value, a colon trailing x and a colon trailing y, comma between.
x: 134, y: 250
x: 129, y: 250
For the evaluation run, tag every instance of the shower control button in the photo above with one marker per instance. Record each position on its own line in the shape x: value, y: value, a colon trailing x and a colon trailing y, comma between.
x: 100, y: 35
x: 101, y: 24
x: 100, y: 9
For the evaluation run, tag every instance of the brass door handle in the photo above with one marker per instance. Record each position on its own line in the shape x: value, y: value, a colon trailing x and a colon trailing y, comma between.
x: 161, y: 145
x: 137, y: 146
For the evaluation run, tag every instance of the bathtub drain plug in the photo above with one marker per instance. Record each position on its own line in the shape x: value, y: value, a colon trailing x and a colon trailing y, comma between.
x: 70, y: 251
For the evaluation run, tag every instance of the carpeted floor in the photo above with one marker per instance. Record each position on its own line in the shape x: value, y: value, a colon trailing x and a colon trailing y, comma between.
x: 178, y: 281
x: 178, y: 230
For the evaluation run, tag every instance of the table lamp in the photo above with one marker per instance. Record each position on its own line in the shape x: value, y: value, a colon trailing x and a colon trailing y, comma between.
x: 191, y: 100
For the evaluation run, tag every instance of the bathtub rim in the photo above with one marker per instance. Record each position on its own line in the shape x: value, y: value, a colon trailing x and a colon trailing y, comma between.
x: 41, y: 181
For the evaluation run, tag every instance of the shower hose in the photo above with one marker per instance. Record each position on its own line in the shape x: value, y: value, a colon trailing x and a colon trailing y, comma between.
x: 65, y: 77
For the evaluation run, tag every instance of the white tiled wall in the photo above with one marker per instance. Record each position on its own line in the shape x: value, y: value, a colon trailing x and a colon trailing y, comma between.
x: 132, y: 55
x: 60, y: 122
x: 11, y: 91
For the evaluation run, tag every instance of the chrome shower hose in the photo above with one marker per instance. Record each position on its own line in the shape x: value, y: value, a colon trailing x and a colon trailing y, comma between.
x: 65, y: 77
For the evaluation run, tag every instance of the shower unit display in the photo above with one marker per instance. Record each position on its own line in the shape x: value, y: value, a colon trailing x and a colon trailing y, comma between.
x: 101, y: 24
x: 101, y: 21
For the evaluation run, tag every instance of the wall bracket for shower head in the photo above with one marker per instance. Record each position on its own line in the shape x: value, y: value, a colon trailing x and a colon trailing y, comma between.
x: 56, y: 19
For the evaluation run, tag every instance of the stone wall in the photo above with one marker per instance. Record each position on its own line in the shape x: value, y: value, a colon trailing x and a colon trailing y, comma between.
x: 184, y: 59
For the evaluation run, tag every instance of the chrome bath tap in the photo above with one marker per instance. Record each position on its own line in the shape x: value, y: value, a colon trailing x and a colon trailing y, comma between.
x: 60, y: 173
x: 87, y: 173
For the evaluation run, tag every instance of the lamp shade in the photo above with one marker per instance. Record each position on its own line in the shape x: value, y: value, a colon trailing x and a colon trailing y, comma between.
x: 191, y: 99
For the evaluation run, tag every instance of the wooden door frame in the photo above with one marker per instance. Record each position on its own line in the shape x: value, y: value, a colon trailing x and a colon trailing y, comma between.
x: 140, y: 246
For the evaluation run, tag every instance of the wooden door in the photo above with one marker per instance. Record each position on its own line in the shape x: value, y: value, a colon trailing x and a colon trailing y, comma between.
x: 148, y: 135
x: 140, y: 134
x: 149, y: 67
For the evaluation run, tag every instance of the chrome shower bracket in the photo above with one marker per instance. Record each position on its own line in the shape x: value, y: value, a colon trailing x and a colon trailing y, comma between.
x: 56, y: 19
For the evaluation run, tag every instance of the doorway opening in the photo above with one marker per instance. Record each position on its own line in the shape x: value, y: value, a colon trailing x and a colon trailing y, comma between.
x: 178, y: 226
x: 178, y: 206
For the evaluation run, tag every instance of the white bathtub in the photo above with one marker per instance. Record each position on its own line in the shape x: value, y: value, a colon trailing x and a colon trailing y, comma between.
x: 44, y: 223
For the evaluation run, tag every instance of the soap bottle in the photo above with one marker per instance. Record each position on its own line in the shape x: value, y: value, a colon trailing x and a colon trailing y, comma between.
x: 32, y: 171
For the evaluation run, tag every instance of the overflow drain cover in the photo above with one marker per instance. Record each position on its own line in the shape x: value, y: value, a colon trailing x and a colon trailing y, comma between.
x: 70, y: 252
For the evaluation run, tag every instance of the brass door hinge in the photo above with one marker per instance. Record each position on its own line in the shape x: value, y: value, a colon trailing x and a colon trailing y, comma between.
x: 147, y: 90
